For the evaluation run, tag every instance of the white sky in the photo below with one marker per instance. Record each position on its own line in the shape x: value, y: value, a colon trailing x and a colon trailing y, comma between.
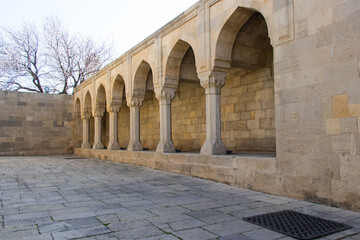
x: 125, y: 22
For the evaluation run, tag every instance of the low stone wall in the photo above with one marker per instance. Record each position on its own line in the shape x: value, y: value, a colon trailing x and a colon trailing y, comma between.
x: 35, y: 124
x: 252, y: 172
x: 255, y: 172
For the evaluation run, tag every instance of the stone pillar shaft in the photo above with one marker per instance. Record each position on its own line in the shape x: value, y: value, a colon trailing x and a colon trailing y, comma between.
x: 97, y: 138
x: 212, y: 83
x: 86, y: 133
x: 135, y: 144
x: 113, y: 128
x: 166, y: 144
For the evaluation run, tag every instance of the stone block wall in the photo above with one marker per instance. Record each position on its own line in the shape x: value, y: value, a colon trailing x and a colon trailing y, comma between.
x: 124, y: 125
x: 318, y: 104
x: 150, y: 121
x: 248, y: 111
x: 78, y: 128
x: 35, y: 124
x: 188, y: 117
x: 105, y: 129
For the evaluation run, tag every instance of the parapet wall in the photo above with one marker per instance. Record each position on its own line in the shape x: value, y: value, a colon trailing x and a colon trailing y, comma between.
x: 35, y: 124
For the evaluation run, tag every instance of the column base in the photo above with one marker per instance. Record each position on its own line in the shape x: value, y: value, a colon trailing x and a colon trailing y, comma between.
x: 86, y: 145
x: 216, y: 147
x: 113, y: 146
x: 98, y: 146
x: 165, y: 147
x: 135, y: 146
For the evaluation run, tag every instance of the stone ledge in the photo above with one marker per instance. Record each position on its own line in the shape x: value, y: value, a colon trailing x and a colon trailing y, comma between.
x: 235, y: 170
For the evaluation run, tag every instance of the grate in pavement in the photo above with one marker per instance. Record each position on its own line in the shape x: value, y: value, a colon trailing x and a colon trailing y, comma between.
x: 297, y: 225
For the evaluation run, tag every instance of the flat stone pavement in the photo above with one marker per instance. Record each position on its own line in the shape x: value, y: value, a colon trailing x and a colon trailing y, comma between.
x: 67, y: 197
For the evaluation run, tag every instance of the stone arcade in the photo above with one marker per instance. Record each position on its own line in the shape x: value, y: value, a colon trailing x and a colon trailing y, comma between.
x: 274, y: 82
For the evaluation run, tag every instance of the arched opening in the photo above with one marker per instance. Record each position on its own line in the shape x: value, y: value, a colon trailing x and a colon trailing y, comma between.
x: 247, y: 98
x: 101, y: 108
x: 88, y: 111
x: 149, y: 111
x: 188, y: 106
x: 119, y: 97
x: 78, y: 124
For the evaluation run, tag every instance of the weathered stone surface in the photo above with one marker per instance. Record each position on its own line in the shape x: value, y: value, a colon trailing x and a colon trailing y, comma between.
x: 33, y: 125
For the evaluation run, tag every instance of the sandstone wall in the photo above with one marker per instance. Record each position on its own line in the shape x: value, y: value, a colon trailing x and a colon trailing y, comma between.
x: 318, y: 103
x: 248, y: 111
x: 314, y: 57
x: 124, y: 125
x: 35, y: 124
x: 150, y: 121
x: 188, y: 117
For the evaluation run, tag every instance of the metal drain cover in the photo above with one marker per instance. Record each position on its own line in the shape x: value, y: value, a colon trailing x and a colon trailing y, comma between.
x: 297, y: 225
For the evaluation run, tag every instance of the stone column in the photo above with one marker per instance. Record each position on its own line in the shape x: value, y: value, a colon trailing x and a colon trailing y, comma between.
x: 212, y: 82
x: 97, y: 141
x: 86, y: 131
x: 134, y: 105
x: 165, y: 96
x: 113, y: 127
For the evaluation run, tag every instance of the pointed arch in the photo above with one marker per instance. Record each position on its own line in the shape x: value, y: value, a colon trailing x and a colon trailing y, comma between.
x: 173, y: 63
x: 141, y: 77
x: 118, y: 89
x: 77, y: 110
x: 87, y: 103
x: 227, y: 36
x: 100, y: 99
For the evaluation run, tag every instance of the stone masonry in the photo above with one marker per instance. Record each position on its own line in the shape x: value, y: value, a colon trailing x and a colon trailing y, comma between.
x: 276, y: 82
x: 36, y: 124
x: 92, y: 199
x: 277, y: 77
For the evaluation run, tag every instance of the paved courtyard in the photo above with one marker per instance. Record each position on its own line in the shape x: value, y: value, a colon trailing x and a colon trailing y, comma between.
x: 66, y: 197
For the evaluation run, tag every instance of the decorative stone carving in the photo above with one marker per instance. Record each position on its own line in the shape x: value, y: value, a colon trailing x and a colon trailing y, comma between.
x: 86, y: 115
x: 165, y: 95
x: 212, y: 81
x: 114, y: 107
x: 135, y: 101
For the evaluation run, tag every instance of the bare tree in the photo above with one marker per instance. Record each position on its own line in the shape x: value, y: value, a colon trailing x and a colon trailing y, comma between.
x: 56, y: 60
x: 21, y: 62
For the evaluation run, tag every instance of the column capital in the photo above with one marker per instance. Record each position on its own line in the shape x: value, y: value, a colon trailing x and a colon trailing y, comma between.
x: 165, y: 94
x: 98, y: 113
x: 86, y: 115
x: 212, y: 81
x: 135, y: 101
x: 114, y: 107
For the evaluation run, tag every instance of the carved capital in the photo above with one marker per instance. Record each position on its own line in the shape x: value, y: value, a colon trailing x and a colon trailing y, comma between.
x: 134, y: 101
x: 98, y: 113
x: 212, y: 81
x: 86, y: 115
x: 165, y: 94
x: 114, y: 107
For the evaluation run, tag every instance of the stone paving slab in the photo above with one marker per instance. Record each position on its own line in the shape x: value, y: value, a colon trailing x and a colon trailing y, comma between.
x: 59, y: 198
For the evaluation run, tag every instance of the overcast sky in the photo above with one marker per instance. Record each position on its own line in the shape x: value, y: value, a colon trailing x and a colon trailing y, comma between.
x: 125, y: 22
